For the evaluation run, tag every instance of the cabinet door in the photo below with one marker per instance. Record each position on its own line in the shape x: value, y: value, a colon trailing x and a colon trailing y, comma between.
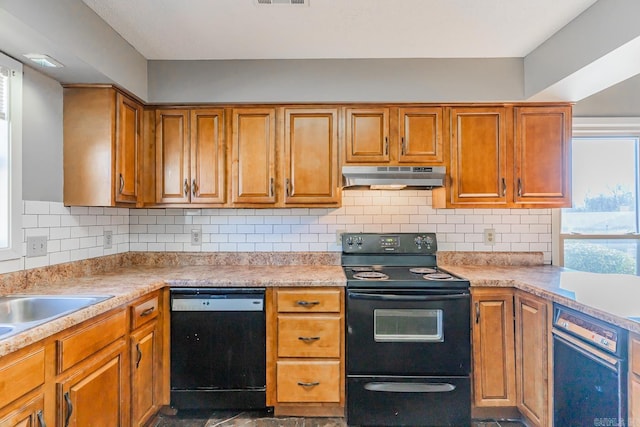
x: 311, y: 156
x: 367, y: 135
x: 144, y: 374
x: 253, y: 155
x: 532, y: 358
x: 479, y: 156
x: 92, y: 397
x: 172, y: 156
x: 24, y: 414
x: 493, y: 348
x: 420, y: 135
x: 207, y: 156
x: 542, y: 147
x: 128, y: 125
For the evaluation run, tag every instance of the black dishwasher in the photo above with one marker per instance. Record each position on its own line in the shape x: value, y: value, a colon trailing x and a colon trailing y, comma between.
x: 218, y: 356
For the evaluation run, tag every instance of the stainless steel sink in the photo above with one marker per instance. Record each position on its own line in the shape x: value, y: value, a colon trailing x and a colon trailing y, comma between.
x: 18, y: 313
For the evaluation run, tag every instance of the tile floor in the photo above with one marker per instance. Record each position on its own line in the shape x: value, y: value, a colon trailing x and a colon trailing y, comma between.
x: 265, y: 419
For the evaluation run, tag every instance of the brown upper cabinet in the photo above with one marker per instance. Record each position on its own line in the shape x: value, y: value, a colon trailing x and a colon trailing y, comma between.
x: 506, y: 157
x: 190, y: 156
x: 311, y: 156
x: 305, y: 143
x: 102, y: 140
x: 253, y: 156
x: 404, y: 135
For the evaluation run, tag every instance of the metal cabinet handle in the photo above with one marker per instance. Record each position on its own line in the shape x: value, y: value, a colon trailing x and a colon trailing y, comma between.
x: 139, y: 355
x: 308, y: 339
x: 271, y: 190
x: 403, y: 147
x: 307, y: 303
x: 308, y: 384
x: 519, y: 187
x: 41, y: 419
x: 194, y: 188
x: 477, y: 312
x: 386, y: 145
x: 121, y: 189
x: 67, y: 399
x: 504, y: 187
x: 288, y: 187
x: 147, y: 312
x: 186, y: 187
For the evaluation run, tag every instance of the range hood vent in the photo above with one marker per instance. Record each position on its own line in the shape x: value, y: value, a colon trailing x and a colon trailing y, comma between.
x: 393, y: 177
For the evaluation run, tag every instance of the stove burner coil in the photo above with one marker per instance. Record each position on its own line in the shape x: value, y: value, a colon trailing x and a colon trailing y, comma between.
x: 422, y: 270
x: 370, y: 275
x: 438, y: 276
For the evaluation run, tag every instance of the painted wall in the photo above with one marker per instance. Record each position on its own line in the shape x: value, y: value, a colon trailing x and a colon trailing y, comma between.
x: 336, y: 80
x: 621, y: 100
x: 42, y: 137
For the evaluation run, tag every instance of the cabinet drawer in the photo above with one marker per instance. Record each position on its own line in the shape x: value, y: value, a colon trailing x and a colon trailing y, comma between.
x: 307, y: 301
x: 313, y: 381
x: 144, y: 311
x: 635, y: 355
x: 305, y: 336
x: 19, y: 376
x: 88, y: 340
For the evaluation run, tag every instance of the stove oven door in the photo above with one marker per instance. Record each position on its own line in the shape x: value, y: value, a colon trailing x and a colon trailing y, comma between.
x: 408, y: 332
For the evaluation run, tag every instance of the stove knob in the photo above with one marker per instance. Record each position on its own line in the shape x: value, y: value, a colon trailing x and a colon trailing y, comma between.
x: 429, y: 241
x: 349, y: 241
x: 604, y: 342
x: 418, y: 241
x: 359, y: 242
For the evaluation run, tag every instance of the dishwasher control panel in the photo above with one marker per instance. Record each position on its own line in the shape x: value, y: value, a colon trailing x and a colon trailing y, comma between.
x: 589, y: 329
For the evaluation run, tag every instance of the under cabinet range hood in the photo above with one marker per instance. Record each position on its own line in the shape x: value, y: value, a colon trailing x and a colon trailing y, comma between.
x: 393, y: 177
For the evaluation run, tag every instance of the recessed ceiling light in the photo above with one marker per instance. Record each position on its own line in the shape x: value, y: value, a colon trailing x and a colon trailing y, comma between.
x: 282, y: 2
x: 43, y: 60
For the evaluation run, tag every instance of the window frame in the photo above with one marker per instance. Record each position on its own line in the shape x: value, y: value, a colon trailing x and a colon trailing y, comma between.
x: 14, y: 250
x: 593, y: 127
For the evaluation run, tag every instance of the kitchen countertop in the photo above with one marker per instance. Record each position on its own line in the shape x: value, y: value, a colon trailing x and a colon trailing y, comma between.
x: 612, y: 298
x: 129, y: 283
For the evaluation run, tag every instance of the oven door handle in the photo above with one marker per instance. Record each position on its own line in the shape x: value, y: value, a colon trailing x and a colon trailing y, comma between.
x: 395, y: 297
x: 410, y: 387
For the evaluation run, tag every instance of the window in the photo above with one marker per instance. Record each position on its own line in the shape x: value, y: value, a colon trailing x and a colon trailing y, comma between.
x: 10, y: 158
x: 601, y: 232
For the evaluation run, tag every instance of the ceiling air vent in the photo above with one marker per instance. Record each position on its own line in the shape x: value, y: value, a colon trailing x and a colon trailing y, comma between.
x: 282, y: 2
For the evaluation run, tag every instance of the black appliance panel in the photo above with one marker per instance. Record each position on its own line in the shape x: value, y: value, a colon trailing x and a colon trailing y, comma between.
x: 419, y: 401
x: 449, y: 356
x: 218, y: 357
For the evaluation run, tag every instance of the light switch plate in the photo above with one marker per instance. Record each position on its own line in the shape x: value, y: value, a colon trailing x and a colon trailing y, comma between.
x: 108, y: 239
x: 36, y: 246
x: 196, y: 237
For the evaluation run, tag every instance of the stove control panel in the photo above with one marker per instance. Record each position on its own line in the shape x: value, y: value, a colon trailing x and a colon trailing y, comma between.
x: 405, y: 243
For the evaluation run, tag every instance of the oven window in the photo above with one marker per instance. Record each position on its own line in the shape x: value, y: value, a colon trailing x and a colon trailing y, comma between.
x: 409, y: 325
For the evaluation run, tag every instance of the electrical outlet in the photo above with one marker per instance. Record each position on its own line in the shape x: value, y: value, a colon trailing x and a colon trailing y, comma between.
x: 36, y: 246
x: 108, y: 239
x: 196, y: 237
x: 489, y: 236
x: 339, y: 234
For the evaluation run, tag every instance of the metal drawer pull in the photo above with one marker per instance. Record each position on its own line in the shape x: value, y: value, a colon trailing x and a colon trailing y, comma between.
x: 307, y: 303
x: 410, y: 387
x: 67, y: 399
x: 311, y: 384
x: 147, y: 312
x: 308, y: 339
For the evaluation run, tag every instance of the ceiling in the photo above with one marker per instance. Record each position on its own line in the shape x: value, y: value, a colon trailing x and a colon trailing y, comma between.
x: 241, y: 29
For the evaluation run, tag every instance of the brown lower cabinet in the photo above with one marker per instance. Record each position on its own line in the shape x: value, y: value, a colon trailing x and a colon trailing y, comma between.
x: 305, y: 351
x: 106, y: 371
x: 512, y: 353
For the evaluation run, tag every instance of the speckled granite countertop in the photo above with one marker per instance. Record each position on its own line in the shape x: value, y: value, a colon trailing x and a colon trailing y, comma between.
x: 613, y: 298
x: 129, y: 283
